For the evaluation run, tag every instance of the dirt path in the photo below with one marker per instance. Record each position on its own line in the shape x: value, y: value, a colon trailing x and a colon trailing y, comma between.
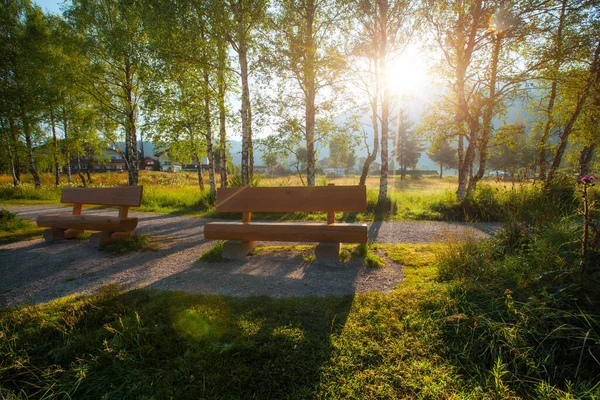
x: 33, y: 271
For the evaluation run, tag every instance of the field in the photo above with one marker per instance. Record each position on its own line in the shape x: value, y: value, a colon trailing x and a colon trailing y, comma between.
x: 426, y: 198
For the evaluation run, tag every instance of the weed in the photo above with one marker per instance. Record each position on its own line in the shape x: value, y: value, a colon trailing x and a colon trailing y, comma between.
x: 135, y: 242
x: 308, y: 256
x: 214, y: 254
x: 367, y: 251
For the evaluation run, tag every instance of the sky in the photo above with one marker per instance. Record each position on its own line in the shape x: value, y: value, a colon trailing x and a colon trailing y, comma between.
x: 52, y: 6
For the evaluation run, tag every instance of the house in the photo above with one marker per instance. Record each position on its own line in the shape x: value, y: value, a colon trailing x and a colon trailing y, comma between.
x: 374, y: 168
x: 168, y: 165
x: 148, y: 164
x: 261, y: 169
x: 335, y: 171
x: 108, y: 160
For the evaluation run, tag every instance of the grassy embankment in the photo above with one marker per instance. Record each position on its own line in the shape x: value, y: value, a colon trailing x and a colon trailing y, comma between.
x: 418, y: 199
x: 460, y: 326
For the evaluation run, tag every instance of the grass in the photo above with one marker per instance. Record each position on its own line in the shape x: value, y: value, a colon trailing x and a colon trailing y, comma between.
x: 437, y: 335
x: 425, y: 198
x: 136, y: 242
x: 214, y: 254
x: 13, y: 229
x: 368, y: 252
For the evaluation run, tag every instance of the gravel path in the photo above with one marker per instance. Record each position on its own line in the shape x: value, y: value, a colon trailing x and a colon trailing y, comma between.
x: 34, y: 271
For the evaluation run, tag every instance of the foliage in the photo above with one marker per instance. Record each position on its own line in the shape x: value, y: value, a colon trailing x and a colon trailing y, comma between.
x: 14, y: 229
x: 521, y: 312
x: 442, y: 153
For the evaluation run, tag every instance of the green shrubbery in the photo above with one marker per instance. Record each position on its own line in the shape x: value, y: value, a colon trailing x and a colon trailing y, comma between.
x: 15, y: 229
x: 522, y: 312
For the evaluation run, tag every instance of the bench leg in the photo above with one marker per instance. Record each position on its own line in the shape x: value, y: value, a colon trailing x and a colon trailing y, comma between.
x: 237, y: 249
x: 328, y: 253
x: 103, y: 238
x: 54, y: 234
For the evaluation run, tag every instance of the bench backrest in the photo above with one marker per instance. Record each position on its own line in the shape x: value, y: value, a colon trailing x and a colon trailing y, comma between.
x: 290, y: 199
x: 113, y: 196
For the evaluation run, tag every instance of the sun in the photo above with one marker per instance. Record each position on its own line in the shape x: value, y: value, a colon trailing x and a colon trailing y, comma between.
x: 407, y: 74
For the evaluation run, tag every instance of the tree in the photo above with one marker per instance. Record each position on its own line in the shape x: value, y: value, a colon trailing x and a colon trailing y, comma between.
x: 385, y: 28
x: 115, y: 43
x: 407, y: 146
x: 442, y: 153
x: 25, y: 64
x: 246, y: 17
x: 305, y: 40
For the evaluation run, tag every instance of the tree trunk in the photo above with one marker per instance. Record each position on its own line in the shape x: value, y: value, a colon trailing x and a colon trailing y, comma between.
x: 250, y: 145
x: 141, y: 164
x: 488, y: 115
x: 242, y: 55
x: 585, y: 159
x: 11, y: 157
x: 67, y: 152
x: 29, y: 143
x: 55, y: 150
x: 222, y: 112
x: 543, y: 141
x: 374, y: 120
x: 385, y: 105
x: 90, y: 155
x: 209, y: 143
x: 16, y: 165
x: 564, y: 136
x: 79, y: 172
x: 441, y: 171
x: 310, y: 94
x: 199, y: 170
x: 131, y: 149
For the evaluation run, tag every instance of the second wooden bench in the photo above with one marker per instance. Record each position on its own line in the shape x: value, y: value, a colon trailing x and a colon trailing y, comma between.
x: 242, y: 236
x: 64, y: 226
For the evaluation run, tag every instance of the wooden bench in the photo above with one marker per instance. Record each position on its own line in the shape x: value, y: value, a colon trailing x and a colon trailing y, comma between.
x: 242, y: 236
x: 65, y: 226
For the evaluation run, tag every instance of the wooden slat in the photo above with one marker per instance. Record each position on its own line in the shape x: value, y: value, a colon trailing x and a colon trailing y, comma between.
x: 290, y: 199
x: 77, y: 208
x: 283, y: 232
x: 87, y: 222
x: 246, y: 217
x: 113, y: 196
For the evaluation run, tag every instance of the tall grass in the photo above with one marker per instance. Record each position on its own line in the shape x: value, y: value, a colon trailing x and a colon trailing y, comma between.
x: 520, y: 312
x: 411, y: 199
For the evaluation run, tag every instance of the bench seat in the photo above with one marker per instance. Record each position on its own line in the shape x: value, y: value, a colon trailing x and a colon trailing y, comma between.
x: 87, y: 222
x: 287, y: 232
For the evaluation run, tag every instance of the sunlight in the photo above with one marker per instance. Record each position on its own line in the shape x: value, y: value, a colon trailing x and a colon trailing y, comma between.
x: 407, y: 74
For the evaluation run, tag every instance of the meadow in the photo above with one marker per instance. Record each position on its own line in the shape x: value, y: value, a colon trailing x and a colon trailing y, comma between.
x: 423, y: 198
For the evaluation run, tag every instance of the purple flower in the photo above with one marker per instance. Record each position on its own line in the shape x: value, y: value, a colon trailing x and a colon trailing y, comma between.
x: 587, y: 179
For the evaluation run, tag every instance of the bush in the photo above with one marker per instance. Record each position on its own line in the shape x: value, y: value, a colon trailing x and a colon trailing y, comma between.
x: 10, y: 223
x: 521, y: 310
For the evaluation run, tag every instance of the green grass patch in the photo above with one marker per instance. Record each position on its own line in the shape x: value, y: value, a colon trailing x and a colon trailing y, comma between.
x: 214, y: 254
x: 13, y: 229
x: 135, y: 242
x: 368, y: 252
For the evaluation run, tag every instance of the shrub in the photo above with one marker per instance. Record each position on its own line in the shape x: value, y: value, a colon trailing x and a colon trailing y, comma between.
x: 520, y: 309
x: 10, y: 223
